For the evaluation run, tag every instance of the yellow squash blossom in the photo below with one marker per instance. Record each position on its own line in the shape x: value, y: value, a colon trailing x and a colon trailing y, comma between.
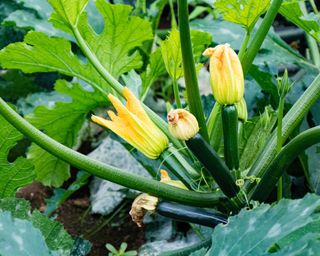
x: 226, y: 75
x: 182, y: 124
x: 134, y: 125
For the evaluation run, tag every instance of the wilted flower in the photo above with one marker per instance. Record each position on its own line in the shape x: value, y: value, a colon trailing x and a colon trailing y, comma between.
x: 142, y: 204
x: 182, y: 124
x: 226, y: 75
x: 134, y: 125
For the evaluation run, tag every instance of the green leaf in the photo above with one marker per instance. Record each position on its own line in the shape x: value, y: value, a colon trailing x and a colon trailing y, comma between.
x: 171, y: 54
x: 114, y: 46
x: 62, y: 123
x: 40, y: 53
x: 154, y: 69
x: 13, y: 85
x: 254, y: 232
x: 243, y: 12
x: 313, y: 154
x: 121, y: 35
x: 56, y: 238
x: 310, y: 22
x: 171, y: 51
x: 18, y: 173
x: 20, y: 237
x: 66, y: 13
x: 267, y: 82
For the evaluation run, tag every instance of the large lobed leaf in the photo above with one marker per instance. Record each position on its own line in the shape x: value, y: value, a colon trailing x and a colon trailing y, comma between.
x: 20, y: 237
x: 270, y: 229
x: 63, y: 123
x: 243, y: 12
x: 121, y: 35
x: 18, y: 173
x: 41, y: 234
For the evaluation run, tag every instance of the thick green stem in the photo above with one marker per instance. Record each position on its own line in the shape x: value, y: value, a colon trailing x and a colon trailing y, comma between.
x: 244, y: 45
x: 260, y: 35
x: 102, y: 170
x: 291, y: 120
x: 176, y: 93
x: 279, y: 142
x: 283, y: 160
x: 190, y: 74
x: 114, y: 83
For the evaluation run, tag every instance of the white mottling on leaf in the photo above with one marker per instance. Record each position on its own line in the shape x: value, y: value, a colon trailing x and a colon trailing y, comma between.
x: 274, y: 231
x: 19, y: 241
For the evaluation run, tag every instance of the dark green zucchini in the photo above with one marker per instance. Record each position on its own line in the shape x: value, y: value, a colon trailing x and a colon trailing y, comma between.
x: 191, y: 214
x: 213, y: 163
x: 230, y: 136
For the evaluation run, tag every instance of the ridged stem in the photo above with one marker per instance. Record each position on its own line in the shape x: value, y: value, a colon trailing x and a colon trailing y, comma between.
x: 290, y: 121
x: 280, y: 142
x: 190, y: 74
x: 102, y: 170
x: 260, y: 35
x: 275, y: 170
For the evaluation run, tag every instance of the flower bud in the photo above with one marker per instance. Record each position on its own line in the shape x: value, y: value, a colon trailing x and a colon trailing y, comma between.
x: 284, y: 85
x: 226, y: 75
x: 182, y: 124
x: 242, y: 110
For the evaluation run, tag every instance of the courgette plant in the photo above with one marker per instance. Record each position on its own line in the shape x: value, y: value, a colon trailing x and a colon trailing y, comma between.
x: 205, y: 162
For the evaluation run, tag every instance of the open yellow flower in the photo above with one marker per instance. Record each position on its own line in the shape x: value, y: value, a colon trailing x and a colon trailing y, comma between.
x: 134, y: 125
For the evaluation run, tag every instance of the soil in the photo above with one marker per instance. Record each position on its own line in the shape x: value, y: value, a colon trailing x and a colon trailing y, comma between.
x: 75, y: 215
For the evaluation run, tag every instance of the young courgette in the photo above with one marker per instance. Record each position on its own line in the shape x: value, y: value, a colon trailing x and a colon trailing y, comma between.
x: 230, y: 136
x: 191, y: 214
x: 213, y: 163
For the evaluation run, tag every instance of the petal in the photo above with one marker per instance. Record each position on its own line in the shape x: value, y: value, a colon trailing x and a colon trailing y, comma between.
x: 134, y: 106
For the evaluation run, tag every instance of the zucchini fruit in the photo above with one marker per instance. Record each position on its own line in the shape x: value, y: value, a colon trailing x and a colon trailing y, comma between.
x: 214, y: 165
x: 230, y: 136
x: 191, y: 214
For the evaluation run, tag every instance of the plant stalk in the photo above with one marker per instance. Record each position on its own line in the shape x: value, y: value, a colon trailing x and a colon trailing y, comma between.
x: 105, y: 171
x: 280, y: 143
x: 244, y: 45
x: 260, y: 35
x: 289, y: 152
x: 290, y: 121
x: 190, y: 74
x: 176, y: 93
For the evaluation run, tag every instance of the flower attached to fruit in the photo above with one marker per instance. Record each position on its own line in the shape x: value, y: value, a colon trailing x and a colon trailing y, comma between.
x: 134, y: 125
x: 226, y: 75
x: 242, y: 110
x: 182, y: 124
